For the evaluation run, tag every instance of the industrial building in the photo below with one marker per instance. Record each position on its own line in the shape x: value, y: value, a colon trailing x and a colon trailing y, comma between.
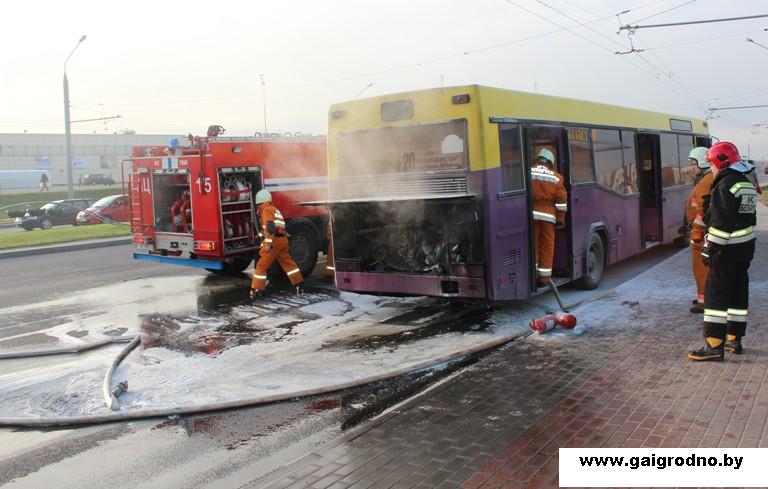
x: 91, y: 153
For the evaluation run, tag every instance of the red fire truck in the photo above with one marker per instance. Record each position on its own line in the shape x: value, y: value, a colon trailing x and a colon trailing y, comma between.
x: 193, y: 205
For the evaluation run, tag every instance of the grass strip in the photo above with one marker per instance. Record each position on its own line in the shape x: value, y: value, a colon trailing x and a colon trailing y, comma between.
x: 39, y: 237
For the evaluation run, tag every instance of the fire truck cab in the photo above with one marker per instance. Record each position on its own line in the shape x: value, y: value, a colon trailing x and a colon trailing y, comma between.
x: 194, y: 205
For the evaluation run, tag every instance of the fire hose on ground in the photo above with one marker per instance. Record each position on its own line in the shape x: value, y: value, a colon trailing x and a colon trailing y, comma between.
x: 255, y: 401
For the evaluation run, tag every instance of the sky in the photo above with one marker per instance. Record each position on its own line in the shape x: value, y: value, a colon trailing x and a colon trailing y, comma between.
x: 175, y: 67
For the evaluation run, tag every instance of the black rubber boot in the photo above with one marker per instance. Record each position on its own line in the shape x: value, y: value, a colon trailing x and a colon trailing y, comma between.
x: 300, y: 289
x: 733, y: 345
x: 697, y: 310
x: 708, y: 352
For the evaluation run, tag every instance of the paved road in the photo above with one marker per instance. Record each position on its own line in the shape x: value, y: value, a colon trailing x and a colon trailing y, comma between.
x: 47, y: 276
x: 216, y: 450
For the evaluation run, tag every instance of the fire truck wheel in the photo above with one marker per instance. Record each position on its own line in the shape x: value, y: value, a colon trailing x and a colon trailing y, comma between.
x: 233, y: 266
x: 304, y: 249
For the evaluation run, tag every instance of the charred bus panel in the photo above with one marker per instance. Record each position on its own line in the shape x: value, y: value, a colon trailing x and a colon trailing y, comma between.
x: 430, y: 247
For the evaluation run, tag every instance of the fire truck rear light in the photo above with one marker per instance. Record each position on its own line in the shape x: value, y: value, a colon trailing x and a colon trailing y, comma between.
x: 236, y: 149
x: 205, y: 245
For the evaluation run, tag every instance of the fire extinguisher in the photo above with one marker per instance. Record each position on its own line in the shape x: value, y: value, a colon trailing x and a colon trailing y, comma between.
x: 548, y: 322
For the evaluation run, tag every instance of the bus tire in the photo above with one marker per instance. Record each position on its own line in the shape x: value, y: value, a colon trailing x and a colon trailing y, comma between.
x: 304, y: 247
x: 233, y: 266
x: 594, y: 264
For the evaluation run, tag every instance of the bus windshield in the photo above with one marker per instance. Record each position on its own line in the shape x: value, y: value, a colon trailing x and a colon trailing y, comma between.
x: 396, y: 149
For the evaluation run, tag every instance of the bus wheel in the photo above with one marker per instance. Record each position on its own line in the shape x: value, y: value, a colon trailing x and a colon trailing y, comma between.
x: 595, y: 264
x: 233, y: 266
x: 304, y: 249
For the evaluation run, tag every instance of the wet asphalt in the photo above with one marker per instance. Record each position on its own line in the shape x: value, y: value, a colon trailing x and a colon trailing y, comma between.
x: 222, y: 449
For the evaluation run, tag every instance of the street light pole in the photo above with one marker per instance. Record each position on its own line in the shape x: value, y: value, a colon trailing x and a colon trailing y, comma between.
x: 67, y: 123
x: 264, y: 102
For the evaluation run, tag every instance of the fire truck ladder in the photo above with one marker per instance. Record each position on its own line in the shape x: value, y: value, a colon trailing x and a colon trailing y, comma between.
x: 136, y: 208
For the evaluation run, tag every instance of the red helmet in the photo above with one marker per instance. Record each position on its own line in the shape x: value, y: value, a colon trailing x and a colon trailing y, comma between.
x: 723, y: 154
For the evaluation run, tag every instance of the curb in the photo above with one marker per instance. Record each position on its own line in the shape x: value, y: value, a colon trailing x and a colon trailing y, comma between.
x: 71, y: 246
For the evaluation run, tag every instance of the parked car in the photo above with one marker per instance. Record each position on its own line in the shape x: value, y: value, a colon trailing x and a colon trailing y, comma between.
x: 97, y: 179
x: 53, y: 214
x: 106, y: 209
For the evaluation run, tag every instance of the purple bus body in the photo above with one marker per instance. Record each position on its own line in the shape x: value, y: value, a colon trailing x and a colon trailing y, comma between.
x: 400, y: 283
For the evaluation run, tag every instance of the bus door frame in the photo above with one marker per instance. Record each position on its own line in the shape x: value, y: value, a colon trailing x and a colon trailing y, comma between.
x: 563, y: 167
x: 643, y: 137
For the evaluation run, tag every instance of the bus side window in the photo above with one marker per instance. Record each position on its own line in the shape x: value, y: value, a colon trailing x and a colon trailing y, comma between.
x: 670, y: 167
x: 609, y: 161
x: 580, y: 145
x: 630, y: 162
x: 511, y: 158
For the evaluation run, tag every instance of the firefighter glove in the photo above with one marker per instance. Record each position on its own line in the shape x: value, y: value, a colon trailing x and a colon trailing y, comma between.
x: 710, y: 251
x: 271, y: 228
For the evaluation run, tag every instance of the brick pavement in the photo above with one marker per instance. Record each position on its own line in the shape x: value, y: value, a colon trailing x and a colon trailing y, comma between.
x: 627, y: 383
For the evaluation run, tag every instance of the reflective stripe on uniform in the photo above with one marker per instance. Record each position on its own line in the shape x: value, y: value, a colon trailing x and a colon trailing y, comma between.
x: 743, y: 188
x: 715, y: 316
x: 544, y: 271
x: 543, y: 216
x: 561, y: 207
x: 279, y: 223
x: 296, y: 270
x: 268, y: 240
x: 545, y: 178
x: 544, y: 174
x: 330, y: 268
x: 737, y: 315
x: 736, y: 237
x: 261, y: 277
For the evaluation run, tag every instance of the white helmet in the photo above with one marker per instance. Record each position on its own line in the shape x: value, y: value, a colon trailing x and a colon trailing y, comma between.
x: 699, y: 154
x: 262, y: 196
x: 547, y: 155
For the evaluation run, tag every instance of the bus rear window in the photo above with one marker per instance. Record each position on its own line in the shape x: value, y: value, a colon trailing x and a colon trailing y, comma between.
x: 403, y: 149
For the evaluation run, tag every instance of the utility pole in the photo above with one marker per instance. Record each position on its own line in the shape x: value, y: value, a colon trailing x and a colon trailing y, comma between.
x: 67, y: 124
x: 264, y: 101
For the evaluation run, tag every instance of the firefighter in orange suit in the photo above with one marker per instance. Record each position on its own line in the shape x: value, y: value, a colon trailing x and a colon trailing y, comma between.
x: 694, y: 210
x: 330, y: 269
x: 274, y: 246
x: 550, y: 203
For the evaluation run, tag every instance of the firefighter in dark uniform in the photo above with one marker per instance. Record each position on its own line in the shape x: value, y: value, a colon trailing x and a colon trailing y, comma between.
x: 694, y: 216
x: 274, y: 246
x: 550, y: 203
x: 728, y: 249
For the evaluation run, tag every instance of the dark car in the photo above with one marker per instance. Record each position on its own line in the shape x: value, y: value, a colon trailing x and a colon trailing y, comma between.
x: 53, y: 214
x: 97, y: 179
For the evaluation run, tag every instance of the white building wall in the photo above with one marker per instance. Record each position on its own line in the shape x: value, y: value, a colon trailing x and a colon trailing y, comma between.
x: 93, y: 153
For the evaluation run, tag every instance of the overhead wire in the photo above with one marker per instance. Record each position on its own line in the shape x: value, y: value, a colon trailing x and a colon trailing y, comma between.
x: 665, y: 11
x: 698, y: 41
x: 665, y: 70
x: 399, y: 67
x: 604, y: 48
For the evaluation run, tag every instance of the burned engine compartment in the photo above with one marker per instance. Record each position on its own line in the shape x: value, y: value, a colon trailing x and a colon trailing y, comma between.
x: 411, y: 236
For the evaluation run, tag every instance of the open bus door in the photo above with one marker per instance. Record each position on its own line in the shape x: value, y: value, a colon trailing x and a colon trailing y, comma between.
x: 650, y: 188
x: 507, y: 218
x: 554, y: 139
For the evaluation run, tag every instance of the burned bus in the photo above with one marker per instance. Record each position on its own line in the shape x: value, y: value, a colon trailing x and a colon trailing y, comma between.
x: 428, y: 190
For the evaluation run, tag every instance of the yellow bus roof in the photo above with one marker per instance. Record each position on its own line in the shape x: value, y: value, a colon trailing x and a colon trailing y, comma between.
x: 503, y: 103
